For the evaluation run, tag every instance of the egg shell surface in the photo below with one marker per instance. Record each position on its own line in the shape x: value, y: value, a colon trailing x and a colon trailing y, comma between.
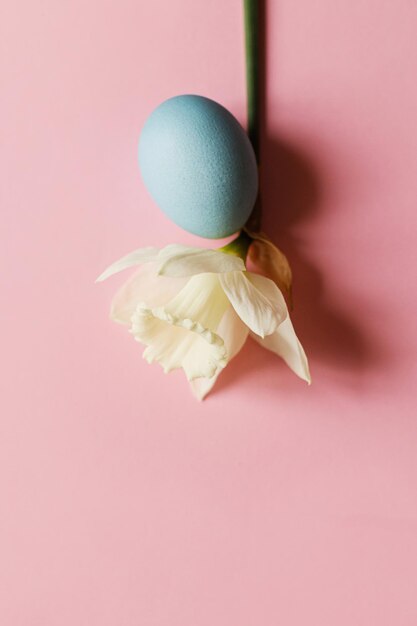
x: 199, y: 166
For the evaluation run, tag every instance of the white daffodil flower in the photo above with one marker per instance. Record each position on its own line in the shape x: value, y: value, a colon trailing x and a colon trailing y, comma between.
x: 194, y: 308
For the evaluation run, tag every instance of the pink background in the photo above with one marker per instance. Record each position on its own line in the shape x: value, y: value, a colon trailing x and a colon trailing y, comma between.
x: 123, y: 500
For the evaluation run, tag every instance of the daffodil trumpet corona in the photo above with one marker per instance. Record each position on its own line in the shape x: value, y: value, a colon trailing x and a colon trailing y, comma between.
x: 194, y: 308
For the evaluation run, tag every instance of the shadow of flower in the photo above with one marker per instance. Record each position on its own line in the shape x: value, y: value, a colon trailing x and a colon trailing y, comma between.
x: 292, y: 193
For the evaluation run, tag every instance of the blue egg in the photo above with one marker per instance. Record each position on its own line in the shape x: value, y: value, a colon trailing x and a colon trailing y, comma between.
x: 199, y: 166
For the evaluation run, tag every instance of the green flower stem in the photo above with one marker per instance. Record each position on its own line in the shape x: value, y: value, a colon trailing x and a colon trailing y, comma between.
x: 239, y: 246
x: 251, y: 18
x: 253, y: 89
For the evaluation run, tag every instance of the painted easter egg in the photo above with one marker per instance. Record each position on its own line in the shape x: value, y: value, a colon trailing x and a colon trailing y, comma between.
x: 199, y: 166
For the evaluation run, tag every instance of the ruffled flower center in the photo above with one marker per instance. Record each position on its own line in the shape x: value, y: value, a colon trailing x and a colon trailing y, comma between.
x: 182, y: 334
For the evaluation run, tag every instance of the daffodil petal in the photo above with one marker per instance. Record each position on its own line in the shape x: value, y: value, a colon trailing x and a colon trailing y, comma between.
x: 234, y: 334
x: 137, y: 257
x: 256, y: 299
x: 286, y: 344
x: 144, y: 286
x: 183, y: 261
x: 177, y: 260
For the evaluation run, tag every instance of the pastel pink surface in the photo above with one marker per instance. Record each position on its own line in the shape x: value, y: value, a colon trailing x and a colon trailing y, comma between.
x: 123, y: 500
